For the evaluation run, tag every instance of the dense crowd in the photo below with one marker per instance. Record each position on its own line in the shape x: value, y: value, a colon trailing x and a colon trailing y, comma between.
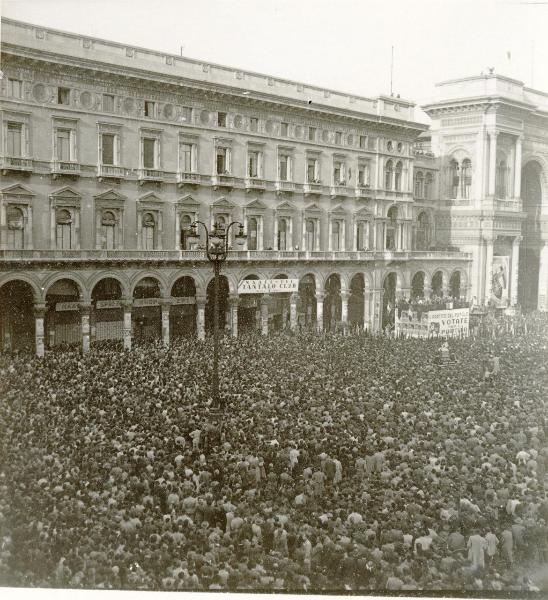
x: 340, y: 463
x: 434, y: 302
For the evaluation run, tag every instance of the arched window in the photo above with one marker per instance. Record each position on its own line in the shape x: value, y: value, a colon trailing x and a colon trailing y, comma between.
x: 453, y: 179
x: 148, y: 231
x: 391, y: 228
x: 502, y: 179
x: 252, y: 233
x: 16, y: 228
x: 389, y: 169
x: 336, y: 235
x: 465, y: 178
x: 419, y: 184
x: 423, y: 232
x: 429, y: 180
x: 63, y: 231
x: 398, y: 176
x: 220, y: 220
x: 362, y: 241
x: 310, y: 234
x: 108, y: 223
x: 282, y: 234
x: 186, y: 222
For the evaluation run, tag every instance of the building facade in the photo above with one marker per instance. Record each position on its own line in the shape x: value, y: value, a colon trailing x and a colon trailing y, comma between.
x: 110, y: 152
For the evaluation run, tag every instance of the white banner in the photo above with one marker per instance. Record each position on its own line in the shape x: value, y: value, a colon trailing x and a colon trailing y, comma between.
x: 67, y: 306
x: 175, y: 300
x: 268, y: 286
x: 449, y: 323
x: 108, y: 304
x: 146, y: 302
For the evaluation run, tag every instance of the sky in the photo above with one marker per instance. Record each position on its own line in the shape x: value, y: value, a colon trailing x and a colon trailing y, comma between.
x: 339, y: 44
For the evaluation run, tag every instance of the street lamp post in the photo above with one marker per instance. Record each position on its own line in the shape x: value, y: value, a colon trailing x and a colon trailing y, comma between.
x: 217, y: 251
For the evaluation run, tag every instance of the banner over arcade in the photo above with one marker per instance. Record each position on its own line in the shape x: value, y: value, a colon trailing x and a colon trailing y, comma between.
x: 434, y: 323
x: 268, y: 286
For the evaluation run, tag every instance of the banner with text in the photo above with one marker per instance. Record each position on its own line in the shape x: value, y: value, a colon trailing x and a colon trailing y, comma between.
x: 268, y: 286
x: 449, y: 323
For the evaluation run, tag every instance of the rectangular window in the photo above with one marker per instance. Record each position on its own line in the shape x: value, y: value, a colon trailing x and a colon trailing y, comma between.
x: 15, y: 140
x: 187, y: 158
x: 363, y: 141
x: 221, y: 119
x: 254, y: 124
x: 338, y: 138
x: 186, y: 114
x: 15, y: 88
x: 63, y: 95
x: 150, y: 108
x: 63, y: 145
x: 253, y: 164
x: 361, y: 175
x: 311, y: 170
x: 284, y: 167
x: 284, y: 129
x: 311, y: 134
x: 149, y: 153
x: 107, y: 148
x: 108, y: 103
x: 338, y: 173
x: 222, y: 161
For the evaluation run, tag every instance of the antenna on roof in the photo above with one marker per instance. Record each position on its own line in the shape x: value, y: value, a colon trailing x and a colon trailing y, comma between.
x: 392, y: 71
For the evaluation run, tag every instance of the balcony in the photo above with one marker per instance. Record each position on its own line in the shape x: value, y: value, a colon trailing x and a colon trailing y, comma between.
x: 234, y: 255
x: 284, y: 187
x: 363, y: 191
x: 254, y: 184
x: 153, y: 175
x: 187, y: 178
x: 62, y: 168
x: 17, y: 164
x: 339, y: 190
x: 312, y: 188
x: 110, y: 172
x: 223, y: 181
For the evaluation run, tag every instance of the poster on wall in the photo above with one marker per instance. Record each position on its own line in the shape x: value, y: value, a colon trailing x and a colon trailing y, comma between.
x: 500, y: 281
x: 449, y: 323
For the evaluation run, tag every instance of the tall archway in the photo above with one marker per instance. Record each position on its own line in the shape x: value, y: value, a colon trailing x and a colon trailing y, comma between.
x: 530, y: 247
x: 455, y: 284
x: 182, y: 314
x: 224, y: 291
x: 307, y: 301
x: 437, y: 284
x: 332, y: 302
x: 16, y: 316
x: 108, y: 314
x: 249, y: 310
x: 389, y: 300
x: 147, y: 314
x: 356, y: 300
x: 63, y: 323
x: 280, y: 306
x: 417, y: 285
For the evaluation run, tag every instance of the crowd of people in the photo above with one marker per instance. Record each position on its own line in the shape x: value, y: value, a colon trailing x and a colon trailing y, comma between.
x: 434, y: 302
x: 339, y: 463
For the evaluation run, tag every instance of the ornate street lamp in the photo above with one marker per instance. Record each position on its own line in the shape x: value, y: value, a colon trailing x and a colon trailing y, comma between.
x: 217, y: 251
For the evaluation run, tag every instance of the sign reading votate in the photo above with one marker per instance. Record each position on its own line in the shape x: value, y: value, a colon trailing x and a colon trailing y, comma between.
x: 268, y: 286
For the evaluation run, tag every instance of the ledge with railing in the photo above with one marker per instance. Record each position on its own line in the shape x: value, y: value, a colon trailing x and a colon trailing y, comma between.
x: 313, y: 187
x: 150, y: 175
x: 110, y: 172
x: 234, y: 255
x: 223, y: 181
x: 187, y: 177
x: 284, y: 186
x: 62, y: 167
x: 16, y: 163
x: 255, y: 183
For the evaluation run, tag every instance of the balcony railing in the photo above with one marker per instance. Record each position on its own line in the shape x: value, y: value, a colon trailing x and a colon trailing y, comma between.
x: 363, y: 191
x: 254, y: 183
x: 150, y: 175
x: 285, y: 186
x: 62, y: 167
x: 16, y: 163
x: 223, y: 181
x: 234, y: 255
x: 110, y: 172
x: 188, y: 178
x: 312, y: 188
x: 340, y: 190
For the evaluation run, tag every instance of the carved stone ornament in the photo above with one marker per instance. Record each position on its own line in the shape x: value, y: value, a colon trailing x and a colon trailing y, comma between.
x: 238, y: 121
x: 39, y: 92
x: 86, y: 99
x: 129, y: 105
x: 169, y: 111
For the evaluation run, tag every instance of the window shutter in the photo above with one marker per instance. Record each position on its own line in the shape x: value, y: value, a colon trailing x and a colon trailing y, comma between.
x: 100, y: 148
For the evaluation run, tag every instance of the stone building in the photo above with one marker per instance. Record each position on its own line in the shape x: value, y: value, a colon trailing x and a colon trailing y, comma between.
x: 110, y: 152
